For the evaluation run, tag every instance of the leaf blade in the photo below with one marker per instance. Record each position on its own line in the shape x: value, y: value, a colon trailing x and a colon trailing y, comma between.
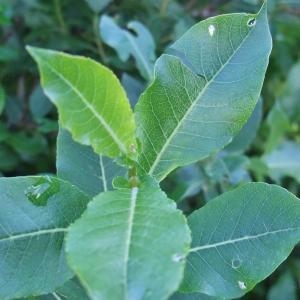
x: 99, y: 114
x: 248, y: 233
x: 81, y: 166
x: 124, y: 221
x: 31, y: 246
x: 187, y: 101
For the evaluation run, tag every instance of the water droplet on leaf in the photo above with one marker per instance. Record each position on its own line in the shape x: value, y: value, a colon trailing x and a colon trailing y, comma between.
x: 42, y: 190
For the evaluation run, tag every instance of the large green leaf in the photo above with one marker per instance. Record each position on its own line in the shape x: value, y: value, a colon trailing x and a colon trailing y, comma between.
x: 34, y: 216
x: 240, y: 238
x: 204, y: 93
x: 129, y: 244
x: 91, y: 101
x: 80, y: 165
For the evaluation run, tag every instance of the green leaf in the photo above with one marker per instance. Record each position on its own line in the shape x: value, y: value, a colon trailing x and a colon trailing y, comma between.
x: 284, y: 288
x: 181, y: 296
x: 32, y: 233
x: 246, y: 136
x: 71, y: 290
x: 202, y: 98
x: 80, y: 165
x: 279, y: 124
x: 240, y: 238
x: 39, y: 104
x: 290, y: 97
x: 129, y: 244
x: 140, y: 45
x: 97, y: 5
x: 284, y: 161
x: 2, y: 99
x: 91, y: 102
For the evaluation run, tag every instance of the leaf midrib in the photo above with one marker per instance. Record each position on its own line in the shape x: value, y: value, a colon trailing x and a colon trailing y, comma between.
x: 174, y: 132
x: 133, y: 199
x: 90, y: 107
x: 241, y: 239
x: 32, y: 234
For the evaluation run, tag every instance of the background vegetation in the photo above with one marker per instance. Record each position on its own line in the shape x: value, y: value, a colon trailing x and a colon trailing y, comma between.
x: 127, y: 36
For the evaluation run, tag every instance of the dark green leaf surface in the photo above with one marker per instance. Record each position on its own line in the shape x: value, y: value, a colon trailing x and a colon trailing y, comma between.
x: 2, y: 99
x: 240, y: 238
x: 204, y: 93
x: 34, y: 216
x: 129, y: 244
x: 71, y: 290
x: 91, y: 102
x: 81, y: 166
x: 284, y: 288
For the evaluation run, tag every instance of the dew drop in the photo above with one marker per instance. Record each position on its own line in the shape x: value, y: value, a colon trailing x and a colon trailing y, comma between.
x: 251, y: 22
x: 242, y: 285
x: 42, y: 190
x: 211, y: 30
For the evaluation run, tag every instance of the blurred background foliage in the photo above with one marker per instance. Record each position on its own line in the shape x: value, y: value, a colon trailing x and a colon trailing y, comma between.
x: 128, y: 36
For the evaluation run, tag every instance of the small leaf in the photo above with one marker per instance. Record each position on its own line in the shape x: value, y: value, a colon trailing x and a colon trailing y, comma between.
x: 81, y: 166
x: 97, y: 5
x: 279, y: 124
x: 129, y: 244
x: 240, y: 238
x: 39, y: 104
x: 31, y: 237
x: 141, y: 46
x: 284, y: 161
x: 2, y: 99
x: 91, y: 102
x: 202, y: 97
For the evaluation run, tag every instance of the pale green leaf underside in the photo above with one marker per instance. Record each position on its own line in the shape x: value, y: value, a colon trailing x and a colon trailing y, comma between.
x: 240, y: 238
x: 129, y: 244
x: 140, y: 45
x: 91, y: 102
x: 204, y: 93
x: 32, y: 259
x: 81, y: 166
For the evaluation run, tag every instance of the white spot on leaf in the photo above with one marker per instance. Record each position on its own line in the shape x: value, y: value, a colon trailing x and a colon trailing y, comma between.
x: 211, y: 30
x: 177, y: 257
x: 251, y: 22
x: 236, y: 263
x: 242, y: 285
